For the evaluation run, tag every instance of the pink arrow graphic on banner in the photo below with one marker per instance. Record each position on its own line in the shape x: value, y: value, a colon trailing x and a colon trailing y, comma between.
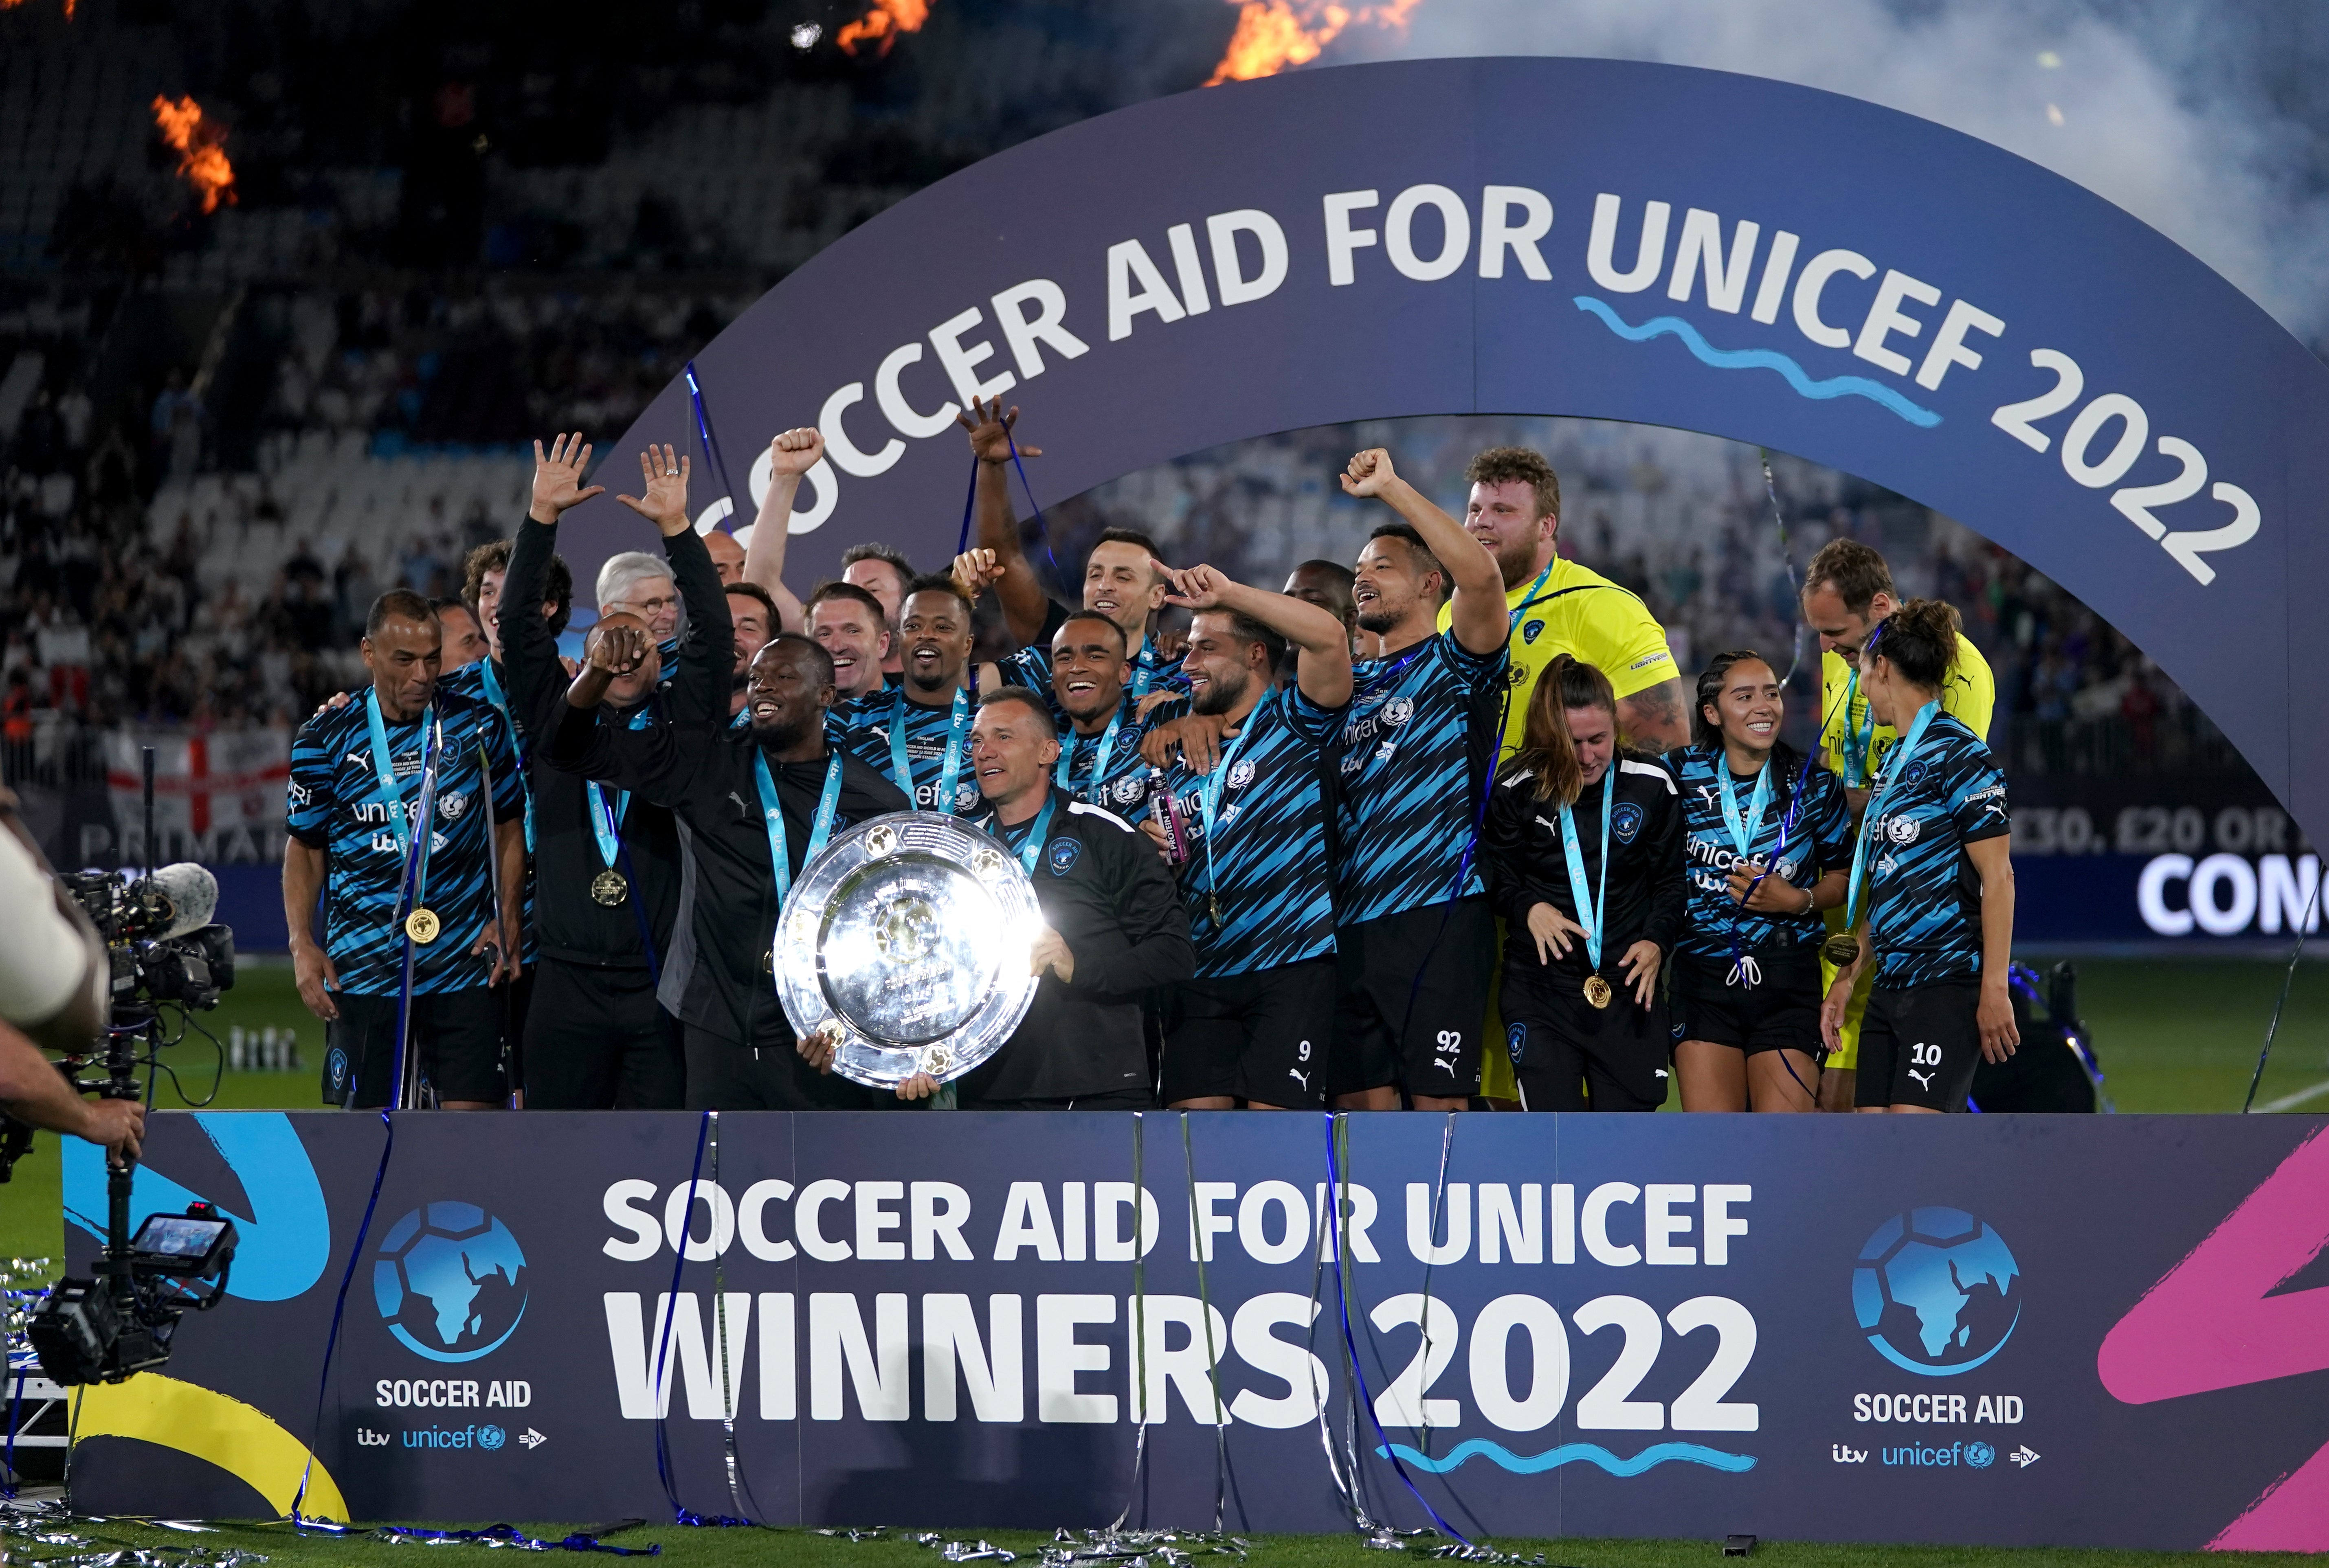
x: 2212, y: 1323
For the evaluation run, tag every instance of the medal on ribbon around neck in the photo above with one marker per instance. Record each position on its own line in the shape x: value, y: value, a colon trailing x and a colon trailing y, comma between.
x: 1590, y: 904
x: 422, y: 926
x: 609, y: 888
x: 1841, y: 950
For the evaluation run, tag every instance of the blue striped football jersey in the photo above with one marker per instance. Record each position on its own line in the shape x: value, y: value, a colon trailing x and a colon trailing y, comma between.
x: 1818, y: 841
x: 336, y: 807
x: 1266, y: 864
x: 866, y: 731
x: 1151, y: 670
x: 1121, y: 784
x: 1417, y: 744
x: 1924, y: 913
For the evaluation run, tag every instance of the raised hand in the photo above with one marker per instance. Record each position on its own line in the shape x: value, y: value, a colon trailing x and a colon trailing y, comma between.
x: 1369, y: 473
x: 664, y: 477
x: 976, y: 571
x: 990, y: 431
x: 795, y: 451
x: 558, y: 478
x: 1197, y: 586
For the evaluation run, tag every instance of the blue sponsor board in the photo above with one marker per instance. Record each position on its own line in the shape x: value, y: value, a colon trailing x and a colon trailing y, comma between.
x: 1980, y: 1331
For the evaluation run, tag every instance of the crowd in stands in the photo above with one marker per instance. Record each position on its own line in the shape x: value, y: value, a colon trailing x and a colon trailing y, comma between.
x: 221, y: 432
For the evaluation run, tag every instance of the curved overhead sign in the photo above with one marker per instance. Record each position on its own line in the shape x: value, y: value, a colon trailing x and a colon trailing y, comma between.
x: 1586, y: 238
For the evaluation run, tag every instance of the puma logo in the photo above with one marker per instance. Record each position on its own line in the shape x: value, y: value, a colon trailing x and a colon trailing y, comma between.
x: 1298, y: 1076
x: 742, y: 810
x: 1924, y: 1078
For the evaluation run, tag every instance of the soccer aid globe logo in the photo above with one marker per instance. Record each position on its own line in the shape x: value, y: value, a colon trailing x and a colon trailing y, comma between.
x: 1937, y: 1292
x: 449, y: 1280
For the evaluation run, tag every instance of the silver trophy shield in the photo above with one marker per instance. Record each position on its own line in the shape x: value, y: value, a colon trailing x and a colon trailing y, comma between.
x: 908, y: 939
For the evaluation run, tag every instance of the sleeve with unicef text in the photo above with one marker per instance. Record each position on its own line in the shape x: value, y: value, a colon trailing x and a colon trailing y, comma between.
x: 1976, y: 794
x: 309, y: 792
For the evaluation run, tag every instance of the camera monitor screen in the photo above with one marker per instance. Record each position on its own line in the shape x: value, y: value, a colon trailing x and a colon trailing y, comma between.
x: 180, y: 1243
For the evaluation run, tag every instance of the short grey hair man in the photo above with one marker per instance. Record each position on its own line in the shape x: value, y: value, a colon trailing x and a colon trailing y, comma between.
x: 642, y: 584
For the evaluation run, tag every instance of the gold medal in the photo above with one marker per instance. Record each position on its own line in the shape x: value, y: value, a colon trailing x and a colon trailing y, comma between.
x: 609, y: 888
x: 1841, y: 950
x: 1596, y: 991
x: 422, y: 926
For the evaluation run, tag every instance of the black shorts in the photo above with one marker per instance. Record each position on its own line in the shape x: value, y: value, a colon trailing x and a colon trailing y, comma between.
x: 1259, y: 1035
x: 1571, y: 1056
x: 1426, y: 970
x: 1779, y: 1011
x: 597, y: 1040
x: 457, y: 1036
x: 1920, y: 1045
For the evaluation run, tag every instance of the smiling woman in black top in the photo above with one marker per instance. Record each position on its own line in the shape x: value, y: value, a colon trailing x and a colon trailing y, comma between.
x: 1584, y: 861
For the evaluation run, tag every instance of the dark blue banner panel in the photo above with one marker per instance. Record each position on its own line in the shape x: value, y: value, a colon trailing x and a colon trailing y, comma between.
x: 2098, y: 1331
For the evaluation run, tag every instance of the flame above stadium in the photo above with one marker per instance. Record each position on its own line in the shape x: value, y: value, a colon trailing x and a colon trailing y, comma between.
x: 883, y: 23
x: 200, y: 146
x: 1273, y: 34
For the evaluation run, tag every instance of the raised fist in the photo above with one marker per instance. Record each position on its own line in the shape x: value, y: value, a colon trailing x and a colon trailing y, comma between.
x: 795, y: 451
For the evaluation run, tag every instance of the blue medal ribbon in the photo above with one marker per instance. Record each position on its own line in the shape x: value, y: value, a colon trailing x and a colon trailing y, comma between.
x: 500, y: 702
x: 1067, y: 768
x: 1894, y: 766
x: 391, y: 799
x: 1858, y: 739
x: 1032, y: 850
x: 1742, y: 829
x: 1588, y: 915
x: 1209, y: 803
x: 1744, y: 970
x: 607, y: 824
x: 901, y: 767
x: 1529, y: 597
x: 773, y: 816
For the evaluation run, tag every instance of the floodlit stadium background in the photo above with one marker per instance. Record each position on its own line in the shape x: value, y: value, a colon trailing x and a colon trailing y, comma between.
x: 284, y: 289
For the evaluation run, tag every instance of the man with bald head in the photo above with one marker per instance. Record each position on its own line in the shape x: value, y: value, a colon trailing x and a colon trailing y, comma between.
x: 607, y: 864
x: 758, y: 803
x: 727, y: 556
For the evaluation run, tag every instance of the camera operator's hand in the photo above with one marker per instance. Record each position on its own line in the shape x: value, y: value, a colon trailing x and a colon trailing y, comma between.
x: 318, y: 977
x: 34, y: 1092
x: 117, y: 1125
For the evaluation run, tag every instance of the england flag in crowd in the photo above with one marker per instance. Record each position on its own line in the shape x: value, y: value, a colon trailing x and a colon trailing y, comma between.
x: 218, y: 798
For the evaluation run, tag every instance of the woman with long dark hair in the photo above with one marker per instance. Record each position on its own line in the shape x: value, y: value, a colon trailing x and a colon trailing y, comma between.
x: 1930, y: 902
x: 1767, y: 840
x: 1584, y: 857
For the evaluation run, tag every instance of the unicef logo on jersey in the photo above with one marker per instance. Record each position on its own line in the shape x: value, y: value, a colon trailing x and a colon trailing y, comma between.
x: 450, y: 805
x: 1625, y: 821
x: 1902, y: 830
x: 1241, y: 775
x: 966, y: 796
x: 1399, y: 710
x: 1937, y: 1292
x: 449, y: 1282
x: 1127, y: 790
